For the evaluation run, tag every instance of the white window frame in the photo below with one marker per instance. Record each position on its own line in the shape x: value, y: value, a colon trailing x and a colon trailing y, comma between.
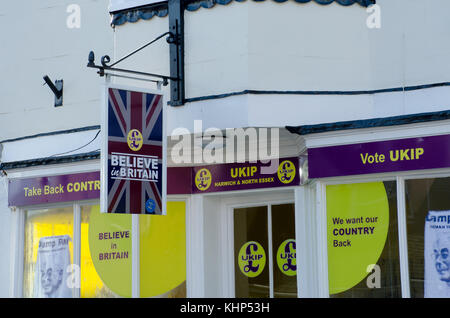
x: 248, y: 201
x: 321, y: 228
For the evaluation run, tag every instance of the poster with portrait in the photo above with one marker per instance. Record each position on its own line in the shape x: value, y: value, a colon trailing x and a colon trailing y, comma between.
x: 436, y: 255
x: 50, y: 274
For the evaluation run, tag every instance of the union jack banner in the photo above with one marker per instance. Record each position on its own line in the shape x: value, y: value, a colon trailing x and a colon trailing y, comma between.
x: 133, y: 165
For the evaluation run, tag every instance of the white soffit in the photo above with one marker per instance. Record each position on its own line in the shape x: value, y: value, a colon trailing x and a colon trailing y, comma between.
x: 116, y: 5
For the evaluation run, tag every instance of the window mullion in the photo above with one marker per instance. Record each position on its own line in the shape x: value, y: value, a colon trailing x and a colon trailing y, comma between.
x: 77, y: 248
x: 270, y: 252
x: 402, y: 238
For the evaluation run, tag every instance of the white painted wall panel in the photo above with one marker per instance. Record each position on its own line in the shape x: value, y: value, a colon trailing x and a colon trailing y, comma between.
x: 36, y: 42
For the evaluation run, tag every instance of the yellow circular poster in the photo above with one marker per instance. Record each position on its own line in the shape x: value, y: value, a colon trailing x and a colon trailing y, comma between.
x: 162, y: 250
x: 357, y: 228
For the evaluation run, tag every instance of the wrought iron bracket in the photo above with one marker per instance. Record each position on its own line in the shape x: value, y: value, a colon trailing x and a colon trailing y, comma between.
x: 175, y: 39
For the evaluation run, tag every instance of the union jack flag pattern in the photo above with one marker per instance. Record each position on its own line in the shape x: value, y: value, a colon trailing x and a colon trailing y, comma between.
x: 134, y: 148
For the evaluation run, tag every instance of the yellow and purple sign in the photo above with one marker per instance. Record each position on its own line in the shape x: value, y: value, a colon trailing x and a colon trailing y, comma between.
x: 287, y: 257
x: 245, y: 176
x: 53, y: 189
x: 252, y: 259
x: 430, y: 152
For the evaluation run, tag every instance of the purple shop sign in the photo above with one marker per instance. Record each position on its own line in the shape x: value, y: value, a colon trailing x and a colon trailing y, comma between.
x: 61, y: 188
x: 245, y: 176
x: 377, y: 157
x: 81, y: 186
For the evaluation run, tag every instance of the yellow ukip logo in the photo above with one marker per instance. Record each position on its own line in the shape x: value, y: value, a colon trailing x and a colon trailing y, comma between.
x: 203, y: 179
x: 135, y: 140
x: 286, y: 171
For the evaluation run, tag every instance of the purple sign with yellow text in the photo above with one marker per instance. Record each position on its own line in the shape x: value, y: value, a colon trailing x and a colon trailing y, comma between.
x: 245, y: 176
x: 431, y: 152
x: 61, y: 188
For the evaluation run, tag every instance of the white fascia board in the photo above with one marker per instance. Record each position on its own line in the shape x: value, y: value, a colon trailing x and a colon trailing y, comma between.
x: 365, y: 135
x: 57, y: 145
x: 117, y: 5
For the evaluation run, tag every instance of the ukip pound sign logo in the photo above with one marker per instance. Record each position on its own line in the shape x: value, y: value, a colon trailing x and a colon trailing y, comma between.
x: 286, y: 171
x: 135, y: 140
x: 251, y: 259
x: 203, y: 179
x: 287, y: 258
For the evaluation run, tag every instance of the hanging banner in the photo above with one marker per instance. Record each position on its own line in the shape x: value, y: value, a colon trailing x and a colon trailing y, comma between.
x: 436, y: 255
x: 133, y: 170
x: 51, y: 270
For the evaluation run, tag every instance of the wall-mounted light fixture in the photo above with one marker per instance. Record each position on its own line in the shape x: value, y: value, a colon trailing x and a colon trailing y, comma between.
x: 57, y: 89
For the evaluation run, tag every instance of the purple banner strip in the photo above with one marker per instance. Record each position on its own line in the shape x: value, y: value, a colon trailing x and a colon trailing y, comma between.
x: 181, y: 180
x: 377, y: 157
x: 245, y: 176
x: 62, y: 188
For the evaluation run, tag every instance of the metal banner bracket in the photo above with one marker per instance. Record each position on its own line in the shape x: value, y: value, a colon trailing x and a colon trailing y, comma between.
x: 175, y: 39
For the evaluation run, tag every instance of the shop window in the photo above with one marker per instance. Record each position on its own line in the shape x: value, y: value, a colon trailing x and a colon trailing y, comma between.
x: 265, y: 251
x: 428, y: 232
x: 91, y: 284
x: 49, y: 255
x: 104, y: 249
x: 48, y: 252
x: 362, y: 239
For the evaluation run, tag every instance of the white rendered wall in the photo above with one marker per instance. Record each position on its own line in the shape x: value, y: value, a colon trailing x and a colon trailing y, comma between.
x: 5, y: 278
x: 37, y: 41
x: 269, y: 46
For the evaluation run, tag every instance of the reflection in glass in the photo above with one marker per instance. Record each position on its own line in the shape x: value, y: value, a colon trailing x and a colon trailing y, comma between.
x: 250, y: 226
x: 428, y: 228
x: 284, y: 251
x: 44, y: 272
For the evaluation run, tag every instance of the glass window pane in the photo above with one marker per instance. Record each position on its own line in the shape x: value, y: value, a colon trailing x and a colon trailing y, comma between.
x: 362, y: 235
x: 91, y: 285
x: 428, y: 228
x: 163, y: 253
x: 250, y: 251
x: 284, y: 251
x: 48, y: 251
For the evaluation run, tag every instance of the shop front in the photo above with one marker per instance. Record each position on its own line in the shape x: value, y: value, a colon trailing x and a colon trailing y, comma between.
x: 382, y: 202
x: 362, y: 211
x: 243, y: 238
x: 229, y: 231
x: 62, y: 246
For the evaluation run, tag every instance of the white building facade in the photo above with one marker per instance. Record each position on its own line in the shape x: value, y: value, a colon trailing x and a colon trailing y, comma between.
x: 354, y: 98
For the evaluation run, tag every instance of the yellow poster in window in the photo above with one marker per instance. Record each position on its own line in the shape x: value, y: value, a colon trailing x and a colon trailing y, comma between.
x: 162, y: 241
x: 357, y: 228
